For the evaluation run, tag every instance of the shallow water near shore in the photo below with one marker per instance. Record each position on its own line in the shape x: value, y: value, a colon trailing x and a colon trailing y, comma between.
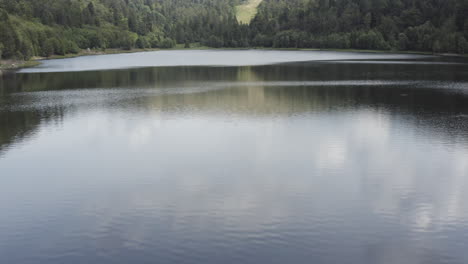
x: 235, y: 157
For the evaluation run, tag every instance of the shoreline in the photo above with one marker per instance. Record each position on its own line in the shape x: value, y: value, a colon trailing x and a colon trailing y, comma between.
x: 13, y: 65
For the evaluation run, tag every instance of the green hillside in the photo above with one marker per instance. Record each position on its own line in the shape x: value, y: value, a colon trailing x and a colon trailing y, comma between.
x: 57, y: 27
x: 400, y: 25
x: 46, y: 27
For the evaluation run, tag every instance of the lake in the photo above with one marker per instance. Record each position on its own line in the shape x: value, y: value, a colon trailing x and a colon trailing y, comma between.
x: 235, y: 157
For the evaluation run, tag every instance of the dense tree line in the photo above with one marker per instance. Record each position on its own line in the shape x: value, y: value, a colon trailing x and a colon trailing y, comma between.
x: 45, y: 27
x: 422, y: 25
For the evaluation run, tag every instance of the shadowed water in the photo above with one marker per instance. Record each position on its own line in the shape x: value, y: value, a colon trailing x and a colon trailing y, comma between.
x: 328, y: 161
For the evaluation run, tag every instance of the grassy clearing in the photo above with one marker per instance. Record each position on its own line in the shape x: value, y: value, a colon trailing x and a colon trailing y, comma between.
x: 247, y: 11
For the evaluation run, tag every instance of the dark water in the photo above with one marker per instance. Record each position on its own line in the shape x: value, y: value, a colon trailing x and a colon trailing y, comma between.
x: 329, y: 161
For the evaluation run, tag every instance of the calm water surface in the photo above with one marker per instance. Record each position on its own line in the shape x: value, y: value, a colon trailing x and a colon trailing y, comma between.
x: 235, y: 157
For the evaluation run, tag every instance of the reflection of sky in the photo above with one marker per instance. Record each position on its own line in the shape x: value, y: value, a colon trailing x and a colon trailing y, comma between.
x: 206, y: 58
x: 360, y: 185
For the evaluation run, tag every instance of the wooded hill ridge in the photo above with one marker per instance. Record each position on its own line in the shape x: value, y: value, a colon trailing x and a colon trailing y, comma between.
x: 46, y: 27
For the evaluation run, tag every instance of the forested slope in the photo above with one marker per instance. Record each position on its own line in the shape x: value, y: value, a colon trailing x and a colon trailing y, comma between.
x: 45, y: 27
x: 422, y: 25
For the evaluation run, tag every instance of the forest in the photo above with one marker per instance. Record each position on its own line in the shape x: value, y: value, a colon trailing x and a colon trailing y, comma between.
x: 57, y: 27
